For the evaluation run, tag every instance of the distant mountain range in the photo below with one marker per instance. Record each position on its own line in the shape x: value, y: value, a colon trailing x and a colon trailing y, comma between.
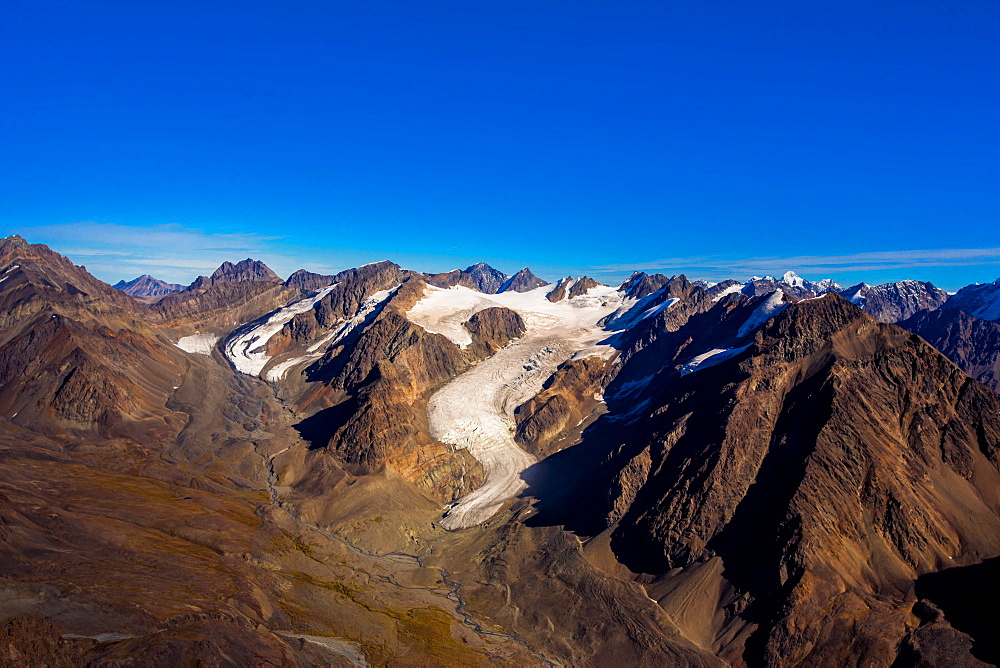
x: 385, y: 466
x: 147, y: 289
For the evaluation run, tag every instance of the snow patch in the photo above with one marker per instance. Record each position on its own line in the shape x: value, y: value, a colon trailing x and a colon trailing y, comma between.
x: 202, y: 344
x: 711, y: 358
x: 728, y: 291
x: 660, y: 308
x: 770, y: 308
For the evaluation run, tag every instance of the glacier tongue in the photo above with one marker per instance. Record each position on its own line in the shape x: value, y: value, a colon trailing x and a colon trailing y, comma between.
x: 245, y: 350
x: 475, y: 410
x: 335, y: 336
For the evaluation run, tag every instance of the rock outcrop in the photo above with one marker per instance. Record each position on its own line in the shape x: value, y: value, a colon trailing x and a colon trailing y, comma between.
x: 492, y: 329
x: 480, y: 276
x: 522, y: 281
x: 307, y: 280
x: 570, y: 397
x: 375, y: 388
x: 233, y: 295
x: 640, y: 284
x: 244, y: 271
x: 570, y: 287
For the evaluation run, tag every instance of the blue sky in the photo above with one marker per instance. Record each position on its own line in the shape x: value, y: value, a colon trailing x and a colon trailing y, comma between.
x: 856, y: 140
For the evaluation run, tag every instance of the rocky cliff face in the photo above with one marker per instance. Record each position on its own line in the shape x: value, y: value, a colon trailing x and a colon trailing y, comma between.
x: 486, y: 278
x: 569, y: 399
x: 233, y: 295
x: 376, y: 388
x: 221, y: 307
x: 353, y: 288
x: 570, y: 287
x: 491, y: 329
x: 640, y: 284
x: 480, y: 276
x: 248, y: 271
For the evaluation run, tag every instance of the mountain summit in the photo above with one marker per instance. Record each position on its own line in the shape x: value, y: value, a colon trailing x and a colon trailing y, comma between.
x: 147, y: 287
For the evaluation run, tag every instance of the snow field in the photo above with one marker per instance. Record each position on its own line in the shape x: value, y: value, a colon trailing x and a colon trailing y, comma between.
x: 475, y: 410
x: 201, y: 344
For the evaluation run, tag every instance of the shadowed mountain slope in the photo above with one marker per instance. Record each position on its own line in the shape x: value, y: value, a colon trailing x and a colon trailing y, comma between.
x: 783, y: 502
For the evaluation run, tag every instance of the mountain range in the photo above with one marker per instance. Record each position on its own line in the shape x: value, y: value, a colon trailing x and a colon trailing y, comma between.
x: 390, y: 467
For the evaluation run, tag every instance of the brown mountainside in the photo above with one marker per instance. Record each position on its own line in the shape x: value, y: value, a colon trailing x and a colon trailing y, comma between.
x: 784, y: 502
x: 140, y: 515
x: 748, y: 481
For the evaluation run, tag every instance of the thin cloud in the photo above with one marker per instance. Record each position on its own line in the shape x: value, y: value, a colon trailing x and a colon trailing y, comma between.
x: 172, y: 235
x: 828, y: 264
x: 176, y: 251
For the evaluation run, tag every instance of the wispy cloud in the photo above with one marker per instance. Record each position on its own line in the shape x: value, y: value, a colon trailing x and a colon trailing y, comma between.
x: 178, y: 252
x: 875, y: 261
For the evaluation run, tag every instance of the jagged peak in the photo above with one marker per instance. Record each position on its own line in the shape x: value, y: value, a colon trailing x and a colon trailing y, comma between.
x: 244, y: 270
x: 481, y: 266
x: 523, y: 281
x: 640, y: 284
x: 13, y: 241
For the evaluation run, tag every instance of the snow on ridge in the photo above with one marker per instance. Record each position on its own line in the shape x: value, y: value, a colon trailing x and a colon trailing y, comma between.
x: 659, y: 308
x: 710, y: 358
x: 245, y: 349
x: 728, y: 291
x: 770, y: 308
x: 316, y: 350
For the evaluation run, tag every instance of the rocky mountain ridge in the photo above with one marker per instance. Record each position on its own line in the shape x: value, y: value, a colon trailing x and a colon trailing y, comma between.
x: 473, y: 468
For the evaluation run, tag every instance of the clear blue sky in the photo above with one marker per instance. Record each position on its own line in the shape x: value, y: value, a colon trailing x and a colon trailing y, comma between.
x: 857, y: 140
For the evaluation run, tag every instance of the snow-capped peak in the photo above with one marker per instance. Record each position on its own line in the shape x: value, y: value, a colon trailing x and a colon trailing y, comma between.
x: 793, y: 279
